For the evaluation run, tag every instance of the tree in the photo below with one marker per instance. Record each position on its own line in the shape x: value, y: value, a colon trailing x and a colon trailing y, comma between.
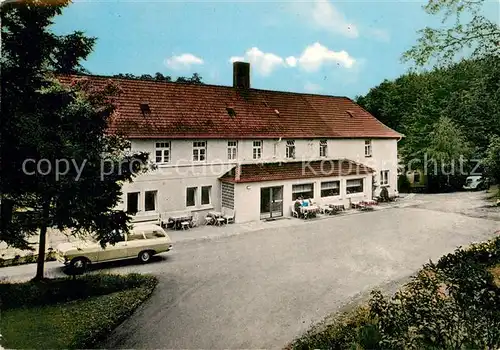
x: 444, y: 44
x: 59, y: 167
x: 492, y: 158
x: 466, y: 92
x: 194, y: 79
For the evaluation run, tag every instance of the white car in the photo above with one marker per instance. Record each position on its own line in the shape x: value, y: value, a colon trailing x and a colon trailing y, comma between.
x: 474, y: 183
x: 143, y: 241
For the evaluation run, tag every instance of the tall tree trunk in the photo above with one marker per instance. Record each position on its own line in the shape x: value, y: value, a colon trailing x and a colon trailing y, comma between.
x: 43, y: 236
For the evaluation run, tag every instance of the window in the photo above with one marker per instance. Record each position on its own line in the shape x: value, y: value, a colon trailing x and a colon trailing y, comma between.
x: 354, y: 186
x: 290, y: 149
x: 323, y: 148
x: 199, y: 151
x: 135, y: 236
x: 132, y: 202
x: 330, y: 188
x: 232, y: 147
x: 162, y: 152
x: 150, y: 201
x: 368, y: 148
x: 191, y: 196
x: 416, y: 177
x: 145, y: 109
x: 305, y: 191
x: 384, y: 178
x: 154, y: 234
x: 205, y: 195
x: 257, y: 149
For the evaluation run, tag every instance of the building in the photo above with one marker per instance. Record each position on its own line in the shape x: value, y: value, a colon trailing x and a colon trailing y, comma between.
x: 250, y: 150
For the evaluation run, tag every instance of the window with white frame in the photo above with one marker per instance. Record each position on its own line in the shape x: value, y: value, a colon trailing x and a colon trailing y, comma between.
x: 330, y: 188
x: 354, y: 186
x: 191, y: 196
x: 257, y: 150
x: 290, y: 149
x: 162, y: 152
x: 150, y: 200
x: 199, y: 151
x: 232, y: 150
x: 304, y: 190
x: 323, y: 148
x: 132, y: 202
x: 384, y: 178
x: 206, y: 195
x: 368, y: 148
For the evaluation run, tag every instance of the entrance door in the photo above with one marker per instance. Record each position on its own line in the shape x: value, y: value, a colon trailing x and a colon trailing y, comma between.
x: 271, y: 202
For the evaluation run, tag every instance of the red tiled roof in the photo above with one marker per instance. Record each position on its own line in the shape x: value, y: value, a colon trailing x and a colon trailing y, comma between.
x: 295, y: 170
x: 200, y: 111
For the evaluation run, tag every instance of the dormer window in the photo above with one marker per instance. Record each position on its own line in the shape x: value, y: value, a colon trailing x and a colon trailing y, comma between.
x: 145, y: 109
x: 231, y: 112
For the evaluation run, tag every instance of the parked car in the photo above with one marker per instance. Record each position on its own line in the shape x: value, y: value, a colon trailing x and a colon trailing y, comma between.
x: 477, y: 182
x: 143, y: 241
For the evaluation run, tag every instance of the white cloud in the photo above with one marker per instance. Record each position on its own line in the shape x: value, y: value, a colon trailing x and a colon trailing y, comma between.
x: 323, y: 15
x: 291, y: 61
x: 312, y: 59
x: 379, y: 34
x: 183, y: 62
x: 262, y: 62
x: 316, y: 55
x: 311, y: 87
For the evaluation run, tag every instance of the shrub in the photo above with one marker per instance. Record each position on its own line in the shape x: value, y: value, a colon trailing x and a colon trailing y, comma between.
x: 352, y: 329
x: 452, y: 304
x: 33, y: 293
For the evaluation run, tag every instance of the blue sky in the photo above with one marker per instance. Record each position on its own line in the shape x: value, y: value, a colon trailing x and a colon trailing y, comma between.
x: 318, y: 46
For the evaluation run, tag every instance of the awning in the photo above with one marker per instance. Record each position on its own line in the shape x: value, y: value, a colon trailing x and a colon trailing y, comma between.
x: 295, y: 170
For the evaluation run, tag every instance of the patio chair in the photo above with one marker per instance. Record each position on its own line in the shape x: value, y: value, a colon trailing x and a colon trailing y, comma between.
x: 209, y: 220
x: 220, y: 221
x: 229, y: 215
x: 196, y: 220
x: 294, y: 212
x: 185, y: 224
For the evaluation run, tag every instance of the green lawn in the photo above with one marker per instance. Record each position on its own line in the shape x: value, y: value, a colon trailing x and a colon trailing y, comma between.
x: 74, y: 324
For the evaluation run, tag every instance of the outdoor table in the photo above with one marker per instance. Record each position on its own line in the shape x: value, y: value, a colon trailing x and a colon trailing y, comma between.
x: 326, y: 209
x: 309, y: 210
x: 216, y: 215
x: 177, y: 219
x: 336, y: 207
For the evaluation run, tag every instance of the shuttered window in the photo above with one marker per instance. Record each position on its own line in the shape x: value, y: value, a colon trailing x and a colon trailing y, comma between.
x: 228, y: 195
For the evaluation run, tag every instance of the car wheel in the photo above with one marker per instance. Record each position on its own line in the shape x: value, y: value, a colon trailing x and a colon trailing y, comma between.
x: 79, y: 264
x: 145, y: 256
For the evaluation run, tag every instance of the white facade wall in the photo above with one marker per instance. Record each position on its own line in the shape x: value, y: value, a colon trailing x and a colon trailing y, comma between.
x: 171, y: 180
x: 247, y: 195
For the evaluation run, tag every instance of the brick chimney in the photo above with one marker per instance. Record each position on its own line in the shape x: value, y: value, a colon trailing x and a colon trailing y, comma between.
x: 237, y: 172
x: 241, y: 75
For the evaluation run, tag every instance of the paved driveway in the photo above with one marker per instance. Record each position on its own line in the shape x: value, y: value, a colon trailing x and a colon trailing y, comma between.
x: 264, y: 288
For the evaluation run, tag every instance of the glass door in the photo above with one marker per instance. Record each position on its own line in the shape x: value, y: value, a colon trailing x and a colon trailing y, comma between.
x: 271, y: 202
